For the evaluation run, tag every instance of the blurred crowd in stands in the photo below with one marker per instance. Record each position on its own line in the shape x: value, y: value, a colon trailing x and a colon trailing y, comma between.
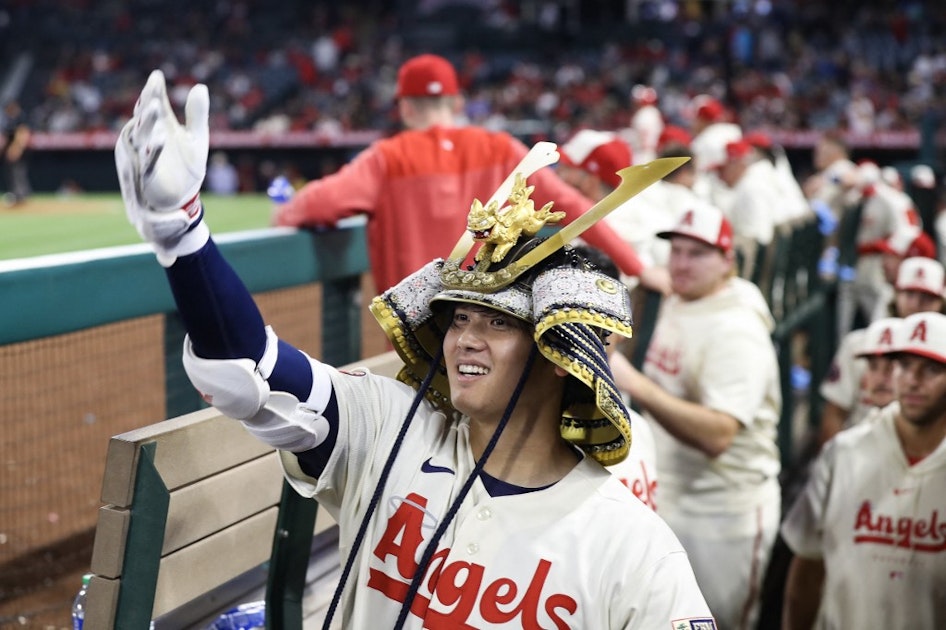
x: 533, y: 68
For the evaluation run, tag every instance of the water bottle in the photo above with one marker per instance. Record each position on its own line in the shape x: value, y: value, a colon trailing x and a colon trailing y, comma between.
x: 243, y: 617
x: 78, y: 604
x: 280, y: 190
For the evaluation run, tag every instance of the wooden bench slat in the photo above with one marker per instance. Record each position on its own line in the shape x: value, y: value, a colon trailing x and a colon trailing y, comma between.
x: 108, y: 549
x: 203, y: 566
x: 209, y: 505
x: 101, y: 604
x: 188, y: 449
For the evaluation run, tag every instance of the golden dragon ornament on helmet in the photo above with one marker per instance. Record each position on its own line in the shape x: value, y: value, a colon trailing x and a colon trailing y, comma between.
x: 571, y: 306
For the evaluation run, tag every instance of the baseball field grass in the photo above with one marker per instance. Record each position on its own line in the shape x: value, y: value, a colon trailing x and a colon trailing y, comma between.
x: 55, y: 224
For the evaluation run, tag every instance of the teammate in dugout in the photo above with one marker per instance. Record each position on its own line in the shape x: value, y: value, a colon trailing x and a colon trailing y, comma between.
x: 445, y: 519
x: 710, y: 389
x: 414, y: 187
x: 867, y: 531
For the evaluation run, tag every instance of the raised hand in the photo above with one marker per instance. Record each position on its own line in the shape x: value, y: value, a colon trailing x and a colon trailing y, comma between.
x: 161, y: 166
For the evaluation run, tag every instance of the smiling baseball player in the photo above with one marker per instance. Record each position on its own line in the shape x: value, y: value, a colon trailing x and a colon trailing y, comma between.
x: 471, y: 493
x: 868, y: 531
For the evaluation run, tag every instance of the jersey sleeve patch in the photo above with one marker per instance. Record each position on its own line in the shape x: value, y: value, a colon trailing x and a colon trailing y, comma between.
x: 693, y: 623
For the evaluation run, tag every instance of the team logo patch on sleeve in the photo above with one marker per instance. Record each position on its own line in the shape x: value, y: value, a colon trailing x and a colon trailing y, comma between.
x: 693, y: 623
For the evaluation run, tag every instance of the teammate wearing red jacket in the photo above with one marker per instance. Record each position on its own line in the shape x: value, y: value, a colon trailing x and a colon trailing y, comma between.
x: 416, y: 186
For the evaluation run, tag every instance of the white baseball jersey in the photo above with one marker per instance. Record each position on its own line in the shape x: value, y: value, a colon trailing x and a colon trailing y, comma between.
x: 842, y: 383
x: 879, y: 524
x: 638, y: 471
x: 886, y: 210
x: 757, y: 203
x: 717, y: 352
x: 581, y: 553
x: 647, y: 124
x: 639, y: 219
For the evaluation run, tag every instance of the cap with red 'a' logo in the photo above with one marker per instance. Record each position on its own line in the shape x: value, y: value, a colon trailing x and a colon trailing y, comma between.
x: 921, y: 274
x: 704, y: 223
x: 922, y: 334
x: 879, y: 337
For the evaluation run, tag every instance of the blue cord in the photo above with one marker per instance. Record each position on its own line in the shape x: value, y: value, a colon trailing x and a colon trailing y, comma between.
x: 376, y: 497
x: 467, y: 485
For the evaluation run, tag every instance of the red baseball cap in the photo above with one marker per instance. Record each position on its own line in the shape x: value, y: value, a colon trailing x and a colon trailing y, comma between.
x: 738, y: 149
x: 672, y: 134
x: 644, y: 95
x: 708, y: 108
x: 427, y: 75
x: 600, y: 153
x: 758, y: 139
x: 704, y: 223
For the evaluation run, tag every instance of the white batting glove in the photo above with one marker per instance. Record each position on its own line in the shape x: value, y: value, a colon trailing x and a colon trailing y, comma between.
x: 161, y: 166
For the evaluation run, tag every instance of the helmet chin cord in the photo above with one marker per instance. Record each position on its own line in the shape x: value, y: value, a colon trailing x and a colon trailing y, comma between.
x: 467, y: 485
x: 379, y: 488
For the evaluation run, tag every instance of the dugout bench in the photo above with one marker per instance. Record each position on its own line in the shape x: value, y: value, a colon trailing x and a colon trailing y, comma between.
x: 194, y: 505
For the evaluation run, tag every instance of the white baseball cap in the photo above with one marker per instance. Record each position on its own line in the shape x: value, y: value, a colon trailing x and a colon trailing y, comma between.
x: 921, y: 274
x: 922, y: 334
x: 704, y: 223
x: 922, y: 176
x: 879, y: 337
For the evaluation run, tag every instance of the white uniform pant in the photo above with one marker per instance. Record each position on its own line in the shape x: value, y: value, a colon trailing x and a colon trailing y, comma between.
x: 730, y: 555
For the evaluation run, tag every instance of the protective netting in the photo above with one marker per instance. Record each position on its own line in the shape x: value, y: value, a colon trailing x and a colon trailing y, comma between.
x: 61, y: 400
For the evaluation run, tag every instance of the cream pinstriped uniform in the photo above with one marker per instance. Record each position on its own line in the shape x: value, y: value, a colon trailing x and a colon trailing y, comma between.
x: 638, y: 471
x: 879, y: 524
x: 716, y: 351
x: 532, y: 560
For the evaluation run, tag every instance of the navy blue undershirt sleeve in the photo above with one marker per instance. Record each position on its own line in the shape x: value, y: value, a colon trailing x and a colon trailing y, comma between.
x: 224, y: 322
x: 313, y: 461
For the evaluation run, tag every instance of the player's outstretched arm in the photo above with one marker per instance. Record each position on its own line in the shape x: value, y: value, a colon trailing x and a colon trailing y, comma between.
x: 229, y: 355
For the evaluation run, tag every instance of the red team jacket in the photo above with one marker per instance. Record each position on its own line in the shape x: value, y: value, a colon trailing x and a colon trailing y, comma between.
x: 417, y: 187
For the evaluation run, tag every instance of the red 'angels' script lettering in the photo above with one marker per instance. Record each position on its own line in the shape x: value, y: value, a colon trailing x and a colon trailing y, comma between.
x: 926, y: 535
x: 643, y: 487
x: 460, y: 585
x: 667, y: 360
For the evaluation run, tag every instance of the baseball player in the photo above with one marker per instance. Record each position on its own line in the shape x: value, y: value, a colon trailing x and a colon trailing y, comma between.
x: 710, y: 388
x: 886, y: 210
x: 867, y: 531
x: 877, y: 385
x: 711, y: 132
x: 906, y: 242
x: 413, y: 185
x: 756, y: 199
x: 919, y: 288
x: 469, y: 494
x: 646, y: 124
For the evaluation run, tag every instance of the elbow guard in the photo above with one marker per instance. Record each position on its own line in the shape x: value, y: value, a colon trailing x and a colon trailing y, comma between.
x: 237, y: 387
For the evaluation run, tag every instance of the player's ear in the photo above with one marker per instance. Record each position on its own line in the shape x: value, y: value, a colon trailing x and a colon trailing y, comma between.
x: 560, y: 371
